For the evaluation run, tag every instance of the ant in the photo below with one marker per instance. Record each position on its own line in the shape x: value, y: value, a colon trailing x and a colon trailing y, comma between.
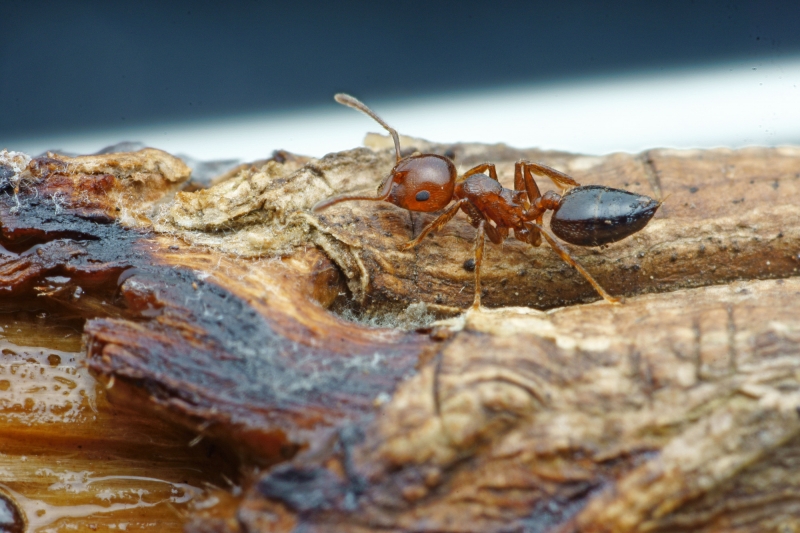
x: 590, y: 215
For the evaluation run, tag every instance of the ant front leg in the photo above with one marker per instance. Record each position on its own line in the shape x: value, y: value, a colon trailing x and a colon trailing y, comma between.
x: 564, y: 254
x: 440, y: 221
x: 480, y: 169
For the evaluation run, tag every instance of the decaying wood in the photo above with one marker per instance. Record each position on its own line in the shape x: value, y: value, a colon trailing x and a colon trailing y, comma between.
x: 677, y: 411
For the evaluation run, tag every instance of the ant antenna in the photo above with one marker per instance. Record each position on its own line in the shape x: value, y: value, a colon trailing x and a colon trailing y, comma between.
x: 355, y: 103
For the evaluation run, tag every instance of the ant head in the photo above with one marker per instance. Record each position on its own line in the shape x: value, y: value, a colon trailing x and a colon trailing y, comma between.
x: 421, y: 182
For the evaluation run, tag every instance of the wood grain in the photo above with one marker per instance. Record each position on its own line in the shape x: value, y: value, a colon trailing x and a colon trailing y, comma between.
x: 674, y: 412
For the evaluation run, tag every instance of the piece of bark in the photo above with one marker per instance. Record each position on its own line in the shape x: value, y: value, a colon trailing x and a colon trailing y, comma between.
x: 727, y: 215
x: 668, y: 413
x: 642, y: 417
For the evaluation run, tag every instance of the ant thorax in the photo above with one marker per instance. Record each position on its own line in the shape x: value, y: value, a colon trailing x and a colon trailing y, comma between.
x: 503, y: 206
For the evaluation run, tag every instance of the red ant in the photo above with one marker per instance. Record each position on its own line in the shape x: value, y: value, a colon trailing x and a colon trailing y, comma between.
x: 590, y: 215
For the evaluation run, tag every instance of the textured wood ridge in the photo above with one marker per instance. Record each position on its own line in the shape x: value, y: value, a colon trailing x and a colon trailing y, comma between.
x: 677, y: 411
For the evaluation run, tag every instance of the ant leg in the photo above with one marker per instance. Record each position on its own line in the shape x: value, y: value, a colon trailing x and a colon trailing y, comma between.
x: 530, y: 235
x: 561, y: 251
x: 559, y: 178
x: 480, y: 169
x: 479, y: 243
x: 526, y: 183
x: 443, y: 219
x: 475, y: 217
x: 496, y: 234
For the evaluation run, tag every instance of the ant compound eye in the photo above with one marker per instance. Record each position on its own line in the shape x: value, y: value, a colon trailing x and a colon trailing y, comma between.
x: 422, y: 196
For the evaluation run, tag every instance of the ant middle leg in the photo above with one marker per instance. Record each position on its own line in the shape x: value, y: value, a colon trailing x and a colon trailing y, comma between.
x: 564, y: 254
x: 479, y: 244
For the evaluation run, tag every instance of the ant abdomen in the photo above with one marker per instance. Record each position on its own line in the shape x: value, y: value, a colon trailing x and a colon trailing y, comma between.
x: 593, y: 215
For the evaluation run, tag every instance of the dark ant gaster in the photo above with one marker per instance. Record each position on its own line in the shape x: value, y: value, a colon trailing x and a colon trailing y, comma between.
x: 590, y: 215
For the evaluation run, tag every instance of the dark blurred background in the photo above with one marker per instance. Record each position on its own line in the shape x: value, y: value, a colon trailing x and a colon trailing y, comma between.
x: 75, y: 66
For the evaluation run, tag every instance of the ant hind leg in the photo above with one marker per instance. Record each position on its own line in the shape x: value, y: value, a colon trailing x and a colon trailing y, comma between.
x: 564, y: 254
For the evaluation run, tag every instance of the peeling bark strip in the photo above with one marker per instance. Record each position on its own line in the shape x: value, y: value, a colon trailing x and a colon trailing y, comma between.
x: 675, y: 412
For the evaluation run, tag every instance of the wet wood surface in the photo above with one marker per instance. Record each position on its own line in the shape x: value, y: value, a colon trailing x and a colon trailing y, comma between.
x: 232, y: 319
x: 72, y: 460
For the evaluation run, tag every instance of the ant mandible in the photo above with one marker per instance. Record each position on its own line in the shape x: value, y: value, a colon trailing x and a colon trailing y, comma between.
x: 590, y: 215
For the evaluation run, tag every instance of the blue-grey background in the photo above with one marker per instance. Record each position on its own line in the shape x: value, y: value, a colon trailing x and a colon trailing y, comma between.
x: 76, y: 66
